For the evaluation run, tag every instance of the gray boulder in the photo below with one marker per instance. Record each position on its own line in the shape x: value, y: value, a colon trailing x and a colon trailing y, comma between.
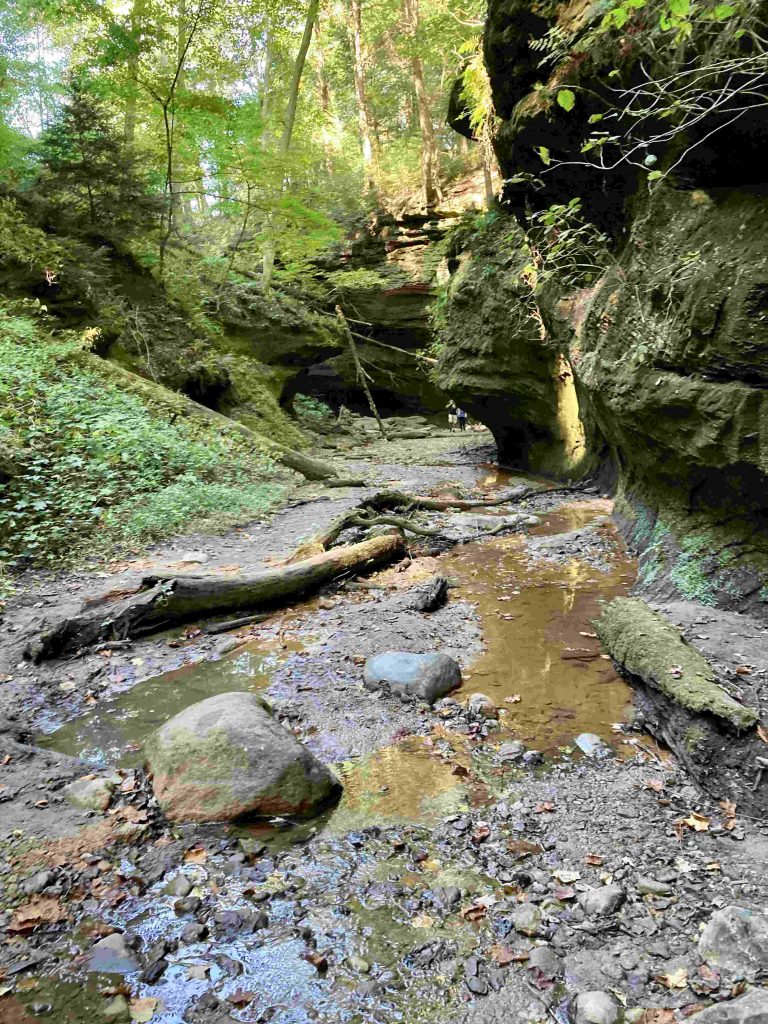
x: 737, y: 939
x: 527, y: 919
x: 111, y: 955
x: 228, y: 757
x: 751, y: 1008
x: 602, y: 901
x: 91, y: 793
x: 480, y: 705
x: 546, y: 961
x: 424, y: 676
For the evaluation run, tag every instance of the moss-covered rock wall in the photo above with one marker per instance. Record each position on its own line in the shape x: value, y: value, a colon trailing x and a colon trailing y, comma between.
x: 667, y: 332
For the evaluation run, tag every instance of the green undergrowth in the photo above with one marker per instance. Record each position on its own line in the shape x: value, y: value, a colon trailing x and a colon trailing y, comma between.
x: 94, y: 465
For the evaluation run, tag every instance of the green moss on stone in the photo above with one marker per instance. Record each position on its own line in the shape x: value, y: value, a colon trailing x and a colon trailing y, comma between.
x: 693, y: 738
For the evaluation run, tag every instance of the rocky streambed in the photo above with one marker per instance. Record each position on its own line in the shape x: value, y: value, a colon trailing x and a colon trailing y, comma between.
x: 518, y: 851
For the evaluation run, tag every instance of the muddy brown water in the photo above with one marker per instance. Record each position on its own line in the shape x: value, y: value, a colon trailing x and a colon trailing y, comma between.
x: 541, y: 665
x: 540, y: 644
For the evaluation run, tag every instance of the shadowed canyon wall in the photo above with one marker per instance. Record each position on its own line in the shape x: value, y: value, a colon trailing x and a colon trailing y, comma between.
x: 666, y: 335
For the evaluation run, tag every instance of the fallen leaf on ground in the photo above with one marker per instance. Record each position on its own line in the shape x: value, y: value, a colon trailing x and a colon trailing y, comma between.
x: 143, y: 1009
x: 503, y: 955
x: 241, y: 998
x: 697, y: 822
x: 705, y: 980
x: 655, y: 784
x: 39, y: 911
x: 522, y: 848
x: 565, y: 876
x: 762, y: 733
x: 473, y: 913
x: 318, y: 960
x: 196, y: 855
x: 594, y: 860
x: 675, y: 979
x: 564, y: 892
x: 729, y: 808
x: 658, y: 1017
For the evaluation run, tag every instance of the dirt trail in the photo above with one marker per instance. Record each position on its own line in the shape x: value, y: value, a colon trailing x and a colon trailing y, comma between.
x: 481, y: 869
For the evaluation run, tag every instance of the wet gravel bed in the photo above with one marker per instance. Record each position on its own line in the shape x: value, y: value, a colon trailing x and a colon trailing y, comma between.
x: 595, y: 876
x: 321, y: 686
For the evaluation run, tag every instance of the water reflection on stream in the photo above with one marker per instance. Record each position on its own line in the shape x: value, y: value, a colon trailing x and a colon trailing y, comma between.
x: 537, y: 623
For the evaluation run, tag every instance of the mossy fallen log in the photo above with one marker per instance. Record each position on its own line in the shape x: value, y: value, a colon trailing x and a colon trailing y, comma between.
x: 163, y: 600
x: 649, y: 648
x: 717, y: 738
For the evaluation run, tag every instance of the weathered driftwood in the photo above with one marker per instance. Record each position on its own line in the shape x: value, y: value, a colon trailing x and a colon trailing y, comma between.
x: 164, y: 600
x: 391, y: 500
x: 399, y: 500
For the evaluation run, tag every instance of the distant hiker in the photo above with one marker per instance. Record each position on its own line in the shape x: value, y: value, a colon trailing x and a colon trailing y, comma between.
x: 452, y: 417
x: 461, y: 416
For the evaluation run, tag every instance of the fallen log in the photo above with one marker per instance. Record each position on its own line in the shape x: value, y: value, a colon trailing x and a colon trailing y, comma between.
x: 163, y: 600
x: 396, y: 499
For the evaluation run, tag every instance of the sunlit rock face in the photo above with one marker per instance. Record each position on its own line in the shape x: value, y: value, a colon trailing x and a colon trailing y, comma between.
x: 667, y: 339
x: 497, y: 358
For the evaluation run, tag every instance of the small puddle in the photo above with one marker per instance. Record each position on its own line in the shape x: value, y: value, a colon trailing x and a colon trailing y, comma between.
x: 111, y: 733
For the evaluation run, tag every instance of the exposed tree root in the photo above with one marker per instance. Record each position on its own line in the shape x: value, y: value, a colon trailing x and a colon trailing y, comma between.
x: 164, y: 600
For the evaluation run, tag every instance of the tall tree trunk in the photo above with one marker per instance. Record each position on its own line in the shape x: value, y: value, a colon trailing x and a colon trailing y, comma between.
x: 429, y: 156
x: 325, y: 98
x: 298, y: 70
x: 177, y: 206
x: 363, y: 110
x: 268, y: 261
x: 265, y: 89
x: 130, y: 113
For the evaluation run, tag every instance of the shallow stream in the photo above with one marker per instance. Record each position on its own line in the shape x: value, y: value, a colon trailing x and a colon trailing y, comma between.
x: 542, y: 666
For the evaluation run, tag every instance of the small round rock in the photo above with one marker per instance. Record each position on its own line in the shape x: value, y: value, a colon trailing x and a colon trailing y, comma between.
x: 596, y: 1008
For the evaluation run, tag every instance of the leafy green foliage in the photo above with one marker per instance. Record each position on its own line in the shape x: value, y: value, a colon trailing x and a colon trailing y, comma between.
x: 562, y: 245
x: 313, y: 413
x: 95, y: 464
x: 87, y: 172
